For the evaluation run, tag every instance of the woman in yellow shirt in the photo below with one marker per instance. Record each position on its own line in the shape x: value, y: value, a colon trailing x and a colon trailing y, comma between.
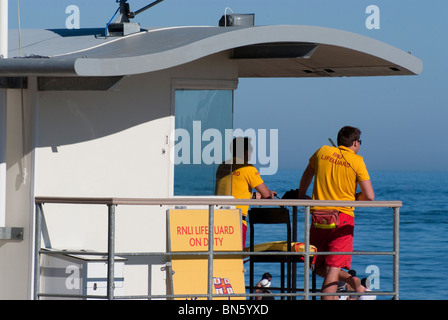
x: 238, y: 178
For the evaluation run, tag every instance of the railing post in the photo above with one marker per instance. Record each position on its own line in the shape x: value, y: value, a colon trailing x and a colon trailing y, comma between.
x: 396, y: 236
x: 306, y: 264
x: 37, y: 245
x: 111, y: 252
x: 211, y: 213
x: 294, y: 239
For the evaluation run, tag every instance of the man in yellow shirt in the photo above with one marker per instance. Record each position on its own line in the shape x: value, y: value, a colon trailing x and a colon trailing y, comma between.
x: 337, y: 171
x: 238, y: 178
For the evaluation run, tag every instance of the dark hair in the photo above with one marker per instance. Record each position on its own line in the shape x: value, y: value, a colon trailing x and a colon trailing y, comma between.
x: 266, y: 275
x: 347, y: 135
x: 238, y: 142
x: 352, y: 272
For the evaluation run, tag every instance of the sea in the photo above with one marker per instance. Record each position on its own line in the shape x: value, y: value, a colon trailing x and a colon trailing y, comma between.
x: 423, y: 233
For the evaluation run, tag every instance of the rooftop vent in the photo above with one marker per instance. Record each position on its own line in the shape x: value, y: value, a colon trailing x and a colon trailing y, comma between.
x: 276, y: 51
x: 237, y: 19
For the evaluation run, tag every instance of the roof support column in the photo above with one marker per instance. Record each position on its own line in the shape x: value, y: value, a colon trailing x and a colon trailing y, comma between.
x: 3, y: 54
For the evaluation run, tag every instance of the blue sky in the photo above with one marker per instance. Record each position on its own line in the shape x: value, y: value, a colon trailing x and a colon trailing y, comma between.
x: 403, y: 119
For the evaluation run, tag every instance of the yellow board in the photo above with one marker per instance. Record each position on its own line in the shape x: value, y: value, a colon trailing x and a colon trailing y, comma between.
x: 281, y: 246
x: 189, y: 232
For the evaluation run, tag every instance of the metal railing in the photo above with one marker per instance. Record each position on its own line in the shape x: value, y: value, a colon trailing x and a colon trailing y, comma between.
x: 211, y: 202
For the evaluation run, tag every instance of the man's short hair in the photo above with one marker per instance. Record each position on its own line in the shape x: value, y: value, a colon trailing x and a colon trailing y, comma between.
x: 347, y: 135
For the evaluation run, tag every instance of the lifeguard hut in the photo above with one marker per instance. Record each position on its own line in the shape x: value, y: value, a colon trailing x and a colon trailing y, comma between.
x: 91, y: 113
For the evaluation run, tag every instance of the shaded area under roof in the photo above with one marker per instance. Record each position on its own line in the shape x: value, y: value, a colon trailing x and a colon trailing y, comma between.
x: 261, y: 51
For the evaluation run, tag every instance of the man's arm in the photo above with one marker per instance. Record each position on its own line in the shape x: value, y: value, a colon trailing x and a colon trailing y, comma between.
x: 367, y: 193
x: 264, y: 191
x: 305, y: 181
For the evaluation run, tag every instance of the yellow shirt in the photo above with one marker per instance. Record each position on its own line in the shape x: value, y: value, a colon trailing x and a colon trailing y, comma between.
x: 337, y: 171
x: 244, y: 178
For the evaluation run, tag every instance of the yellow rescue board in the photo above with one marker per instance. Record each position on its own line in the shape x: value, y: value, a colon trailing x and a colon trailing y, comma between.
x: 281, y: 246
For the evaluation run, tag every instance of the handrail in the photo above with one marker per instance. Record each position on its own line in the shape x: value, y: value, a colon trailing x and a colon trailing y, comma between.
x: 217, y: 201
x: 211, y: 202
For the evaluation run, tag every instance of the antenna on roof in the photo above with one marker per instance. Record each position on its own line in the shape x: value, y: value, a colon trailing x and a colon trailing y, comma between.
x: 122, y: 26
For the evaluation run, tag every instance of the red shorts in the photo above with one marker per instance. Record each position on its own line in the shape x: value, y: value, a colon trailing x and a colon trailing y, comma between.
x: 339, y: 239
x: 244, y: 232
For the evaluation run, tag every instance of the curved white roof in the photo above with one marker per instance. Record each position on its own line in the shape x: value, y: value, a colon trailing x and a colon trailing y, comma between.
x: 261, y: 51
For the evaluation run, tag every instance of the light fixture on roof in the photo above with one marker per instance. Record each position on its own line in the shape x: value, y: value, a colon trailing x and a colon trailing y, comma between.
x: 236, y: 19
x: 122, y: 26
